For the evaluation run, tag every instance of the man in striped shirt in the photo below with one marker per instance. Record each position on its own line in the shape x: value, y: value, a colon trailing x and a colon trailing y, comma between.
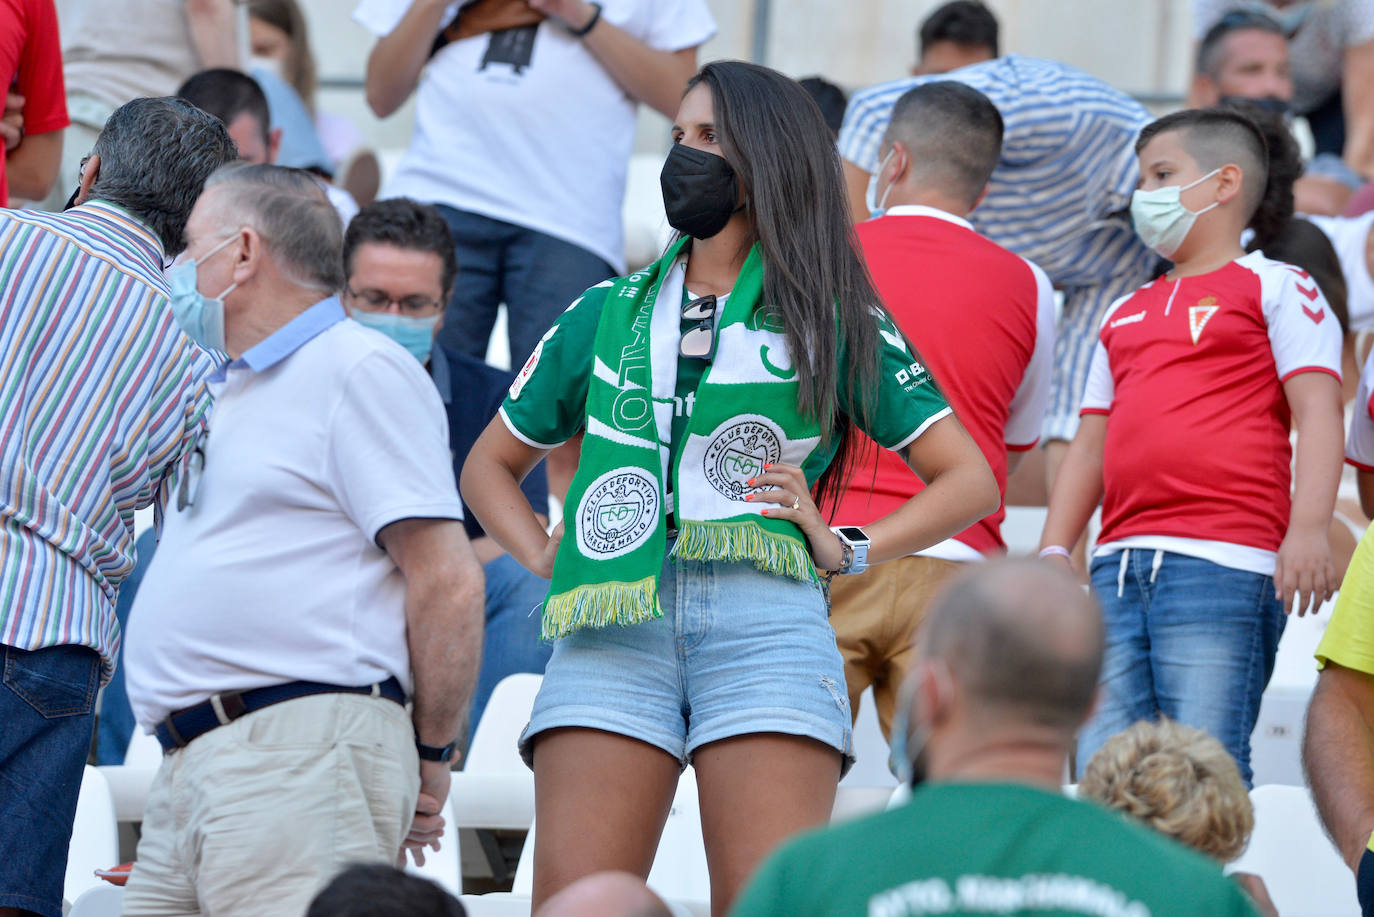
x: 1059, y: 197
x: 100, y: 396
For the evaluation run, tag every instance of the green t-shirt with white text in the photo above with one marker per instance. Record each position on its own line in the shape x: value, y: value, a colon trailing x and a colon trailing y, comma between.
x: 985, y: 848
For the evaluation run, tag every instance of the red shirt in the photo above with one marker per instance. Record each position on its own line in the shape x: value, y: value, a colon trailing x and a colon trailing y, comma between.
x: 31, y: 64
x: 1190, y: 374
x: 982, y: 320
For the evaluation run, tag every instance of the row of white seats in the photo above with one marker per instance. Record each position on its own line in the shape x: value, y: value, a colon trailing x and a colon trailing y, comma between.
x: 1303, y: 873
x: 495, y: 791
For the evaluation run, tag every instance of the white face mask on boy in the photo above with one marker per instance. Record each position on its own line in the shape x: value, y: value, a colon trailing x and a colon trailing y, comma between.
x: 1161, y: 220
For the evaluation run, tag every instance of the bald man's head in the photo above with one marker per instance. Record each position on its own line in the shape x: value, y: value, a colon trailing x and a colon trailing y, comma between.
x: 1022, y: 639
x: 606, y: 894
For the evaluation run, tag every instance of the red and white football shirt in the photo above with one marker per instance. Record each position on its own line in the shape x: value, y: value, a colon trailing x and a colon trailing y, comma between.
x: 982, y: 320
x: 1190, y: 373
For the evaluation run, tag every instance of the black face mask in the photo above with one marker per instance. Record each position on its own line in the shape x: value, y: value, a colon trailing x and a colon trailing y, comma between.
x: 700, y: 191
x: 71, y: 201
x: 1270, y: 104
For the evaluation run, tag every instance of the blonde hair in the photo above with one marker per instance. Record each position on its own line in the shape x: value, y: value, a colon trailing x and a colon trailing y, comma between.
x: 1178, y: 780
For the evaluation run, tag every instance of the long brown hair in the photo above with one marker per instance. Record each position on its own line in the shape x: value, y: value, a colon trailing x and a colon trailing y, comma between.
x: 300, y: 64
x: 814, y: 275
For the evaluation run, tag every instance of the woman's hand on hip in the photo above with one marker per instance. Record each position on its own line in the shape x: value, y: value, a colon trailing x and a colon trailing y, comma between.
x: 794, y: 504
x: 542, y: 566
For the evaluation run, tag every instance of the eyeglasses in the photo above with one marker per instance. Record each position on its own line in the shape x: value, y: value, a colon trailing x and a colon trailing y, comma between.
x: 699, y: 341
x: 192, y: 472
x: 380, y: 300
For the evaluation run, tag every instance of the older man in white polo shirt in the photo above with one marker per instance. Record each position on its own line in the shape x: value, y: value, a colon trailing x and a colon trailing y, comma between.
x: 313, y: 575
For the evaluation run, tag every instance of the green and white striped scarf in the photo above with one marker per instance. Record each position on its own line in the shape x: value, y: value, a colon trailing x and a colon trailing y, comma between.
x: 745, y: 415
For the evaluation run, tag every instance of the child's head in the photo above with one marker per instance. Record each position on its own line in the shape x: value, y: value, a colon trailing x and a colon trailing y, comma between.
x: 1214, y: 165
x: 1177, y: 780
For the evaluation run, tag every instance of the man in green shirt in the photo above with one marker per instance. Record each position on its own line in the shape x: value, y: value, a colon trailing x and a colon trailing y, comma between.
x: 1008, y: 664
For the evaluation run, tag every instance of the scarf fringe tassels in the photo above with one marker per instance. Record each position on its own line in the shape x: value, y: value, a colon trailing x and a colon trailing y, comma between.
x: 600, y: 605
x: 744, y: 540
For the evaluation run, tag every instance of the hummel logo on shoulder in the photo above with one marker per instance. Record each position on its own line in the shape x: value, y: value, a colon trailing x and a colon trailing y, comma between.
x: 1311, y: 294
x: 1316, y: 315
x: 1129, y: 319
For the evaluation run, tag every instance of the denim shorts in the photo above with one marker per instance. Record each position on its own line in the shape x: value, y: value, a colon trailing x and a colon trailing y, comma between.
x: 47, y: 717
x: 737, y: 651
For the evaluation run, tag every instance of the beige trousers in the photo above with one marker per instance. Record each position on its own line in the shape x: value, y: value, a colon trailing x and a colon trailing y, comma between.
x: 255, y: 817
x: 875, y: 615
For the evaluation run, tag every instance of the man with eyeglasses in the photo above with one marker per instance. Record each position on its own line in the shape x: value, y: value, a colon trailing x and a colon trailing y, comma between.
x: 399, y: 268
x: 313, y: 577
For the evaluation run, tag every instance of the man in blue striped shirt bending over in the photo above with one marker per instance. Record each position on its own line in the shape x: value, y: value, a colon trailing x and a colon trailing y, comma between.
x: 1060, y: 196
x: 101, y: 395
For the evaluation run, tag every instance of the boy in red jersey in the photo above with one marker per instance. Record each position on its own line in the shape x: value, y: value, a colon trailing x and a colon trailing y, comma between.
x: 1185, y: 438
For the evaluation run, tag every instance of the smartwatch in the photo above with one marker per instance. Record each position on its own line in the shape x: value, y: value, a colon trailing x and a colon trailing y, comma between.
x: 435, y: 752
x: 857, y: 541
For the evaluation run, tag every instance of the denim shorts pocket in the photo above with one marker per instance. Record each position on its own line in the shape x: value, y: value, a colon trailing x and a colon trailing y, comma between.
x: 56, y: 681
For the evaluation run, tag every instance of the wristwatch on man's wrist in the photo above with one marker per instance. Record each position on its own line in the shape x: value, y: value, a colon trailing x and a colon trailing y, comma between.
x: 856, y: 540
x: 435, y: 752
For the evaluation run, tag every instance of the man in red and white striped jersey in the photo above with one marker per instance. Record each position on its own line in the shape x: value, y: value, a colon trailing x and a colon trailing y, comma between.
x: 982, y: 320
x: 1195, y: 382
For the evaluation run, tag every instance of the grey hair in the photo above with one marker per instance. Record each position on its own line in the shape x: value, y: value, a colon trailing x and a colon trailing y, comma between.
x: 155, y: 154
x: 299, y: 225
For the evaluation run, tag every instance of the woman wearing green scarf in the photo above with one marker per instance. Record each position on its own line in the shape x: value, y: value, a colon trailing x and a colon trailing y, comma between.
x: 717, y: 389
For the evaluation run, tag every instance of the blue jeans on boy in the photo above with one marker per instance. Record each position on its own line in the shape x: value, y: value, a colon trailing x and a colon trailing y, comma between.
x: 511, y: 643
x: 1186, y: 638
x: 47, y: 714
x: 536, y: 275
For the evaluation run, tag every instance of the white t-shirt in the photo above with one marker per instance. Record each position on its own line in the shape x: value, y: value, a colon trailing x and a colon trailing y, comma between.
x: 273, y: 574
x: 1349, y: 237
x: 535, y: 133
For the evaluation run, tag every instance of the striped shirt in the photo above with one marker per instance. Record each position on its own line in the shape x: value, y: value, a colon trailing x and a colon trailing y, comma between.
x: 100, y: 395
x: 1060, y: 194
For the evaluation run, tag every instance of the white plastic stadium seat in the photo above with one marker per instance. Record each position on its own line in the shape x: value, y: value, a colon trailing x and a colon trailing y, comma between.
x: 1021, y: 529
x: 493, y: 749
x: 104, y: 900
x: 95, y: 836
x: 495, y: 790
x: 144, y: 750
x: 1290, y: 852
x: 1276, y: 743
x: 442, y: 866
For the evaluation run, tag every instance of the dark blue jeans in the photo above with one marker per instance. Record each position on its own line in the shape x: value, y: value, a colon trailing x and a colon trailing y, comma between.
x: 536, y: 275
x: 47, y: 713
x: 1188, y: 638
x: 511, y: 643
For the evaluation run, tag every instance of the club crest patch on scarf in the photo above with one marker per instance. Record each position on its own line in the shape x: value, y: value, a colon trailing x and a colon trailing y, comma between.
x: 617, y: 513
x: 738, y: 451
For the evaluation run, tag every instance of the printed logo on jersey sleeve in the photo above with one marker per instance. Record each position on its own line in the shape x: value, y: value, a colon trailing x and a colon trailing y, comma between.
x: 1200, y: 315
x: 1310, y: 292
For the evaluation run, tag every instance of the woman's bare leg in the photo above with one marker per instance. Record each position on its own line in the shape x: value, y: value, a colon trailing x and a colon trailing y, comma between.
x: 757, y: 790
x: 600, y: 802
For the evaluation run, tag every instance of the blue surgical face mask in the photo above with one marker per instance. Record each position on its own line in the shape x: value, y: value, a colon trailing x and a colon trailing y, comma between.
x: 875, y: 205
x: 415, y: 334
x: 1161, y: 220
x: 201, y: 317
